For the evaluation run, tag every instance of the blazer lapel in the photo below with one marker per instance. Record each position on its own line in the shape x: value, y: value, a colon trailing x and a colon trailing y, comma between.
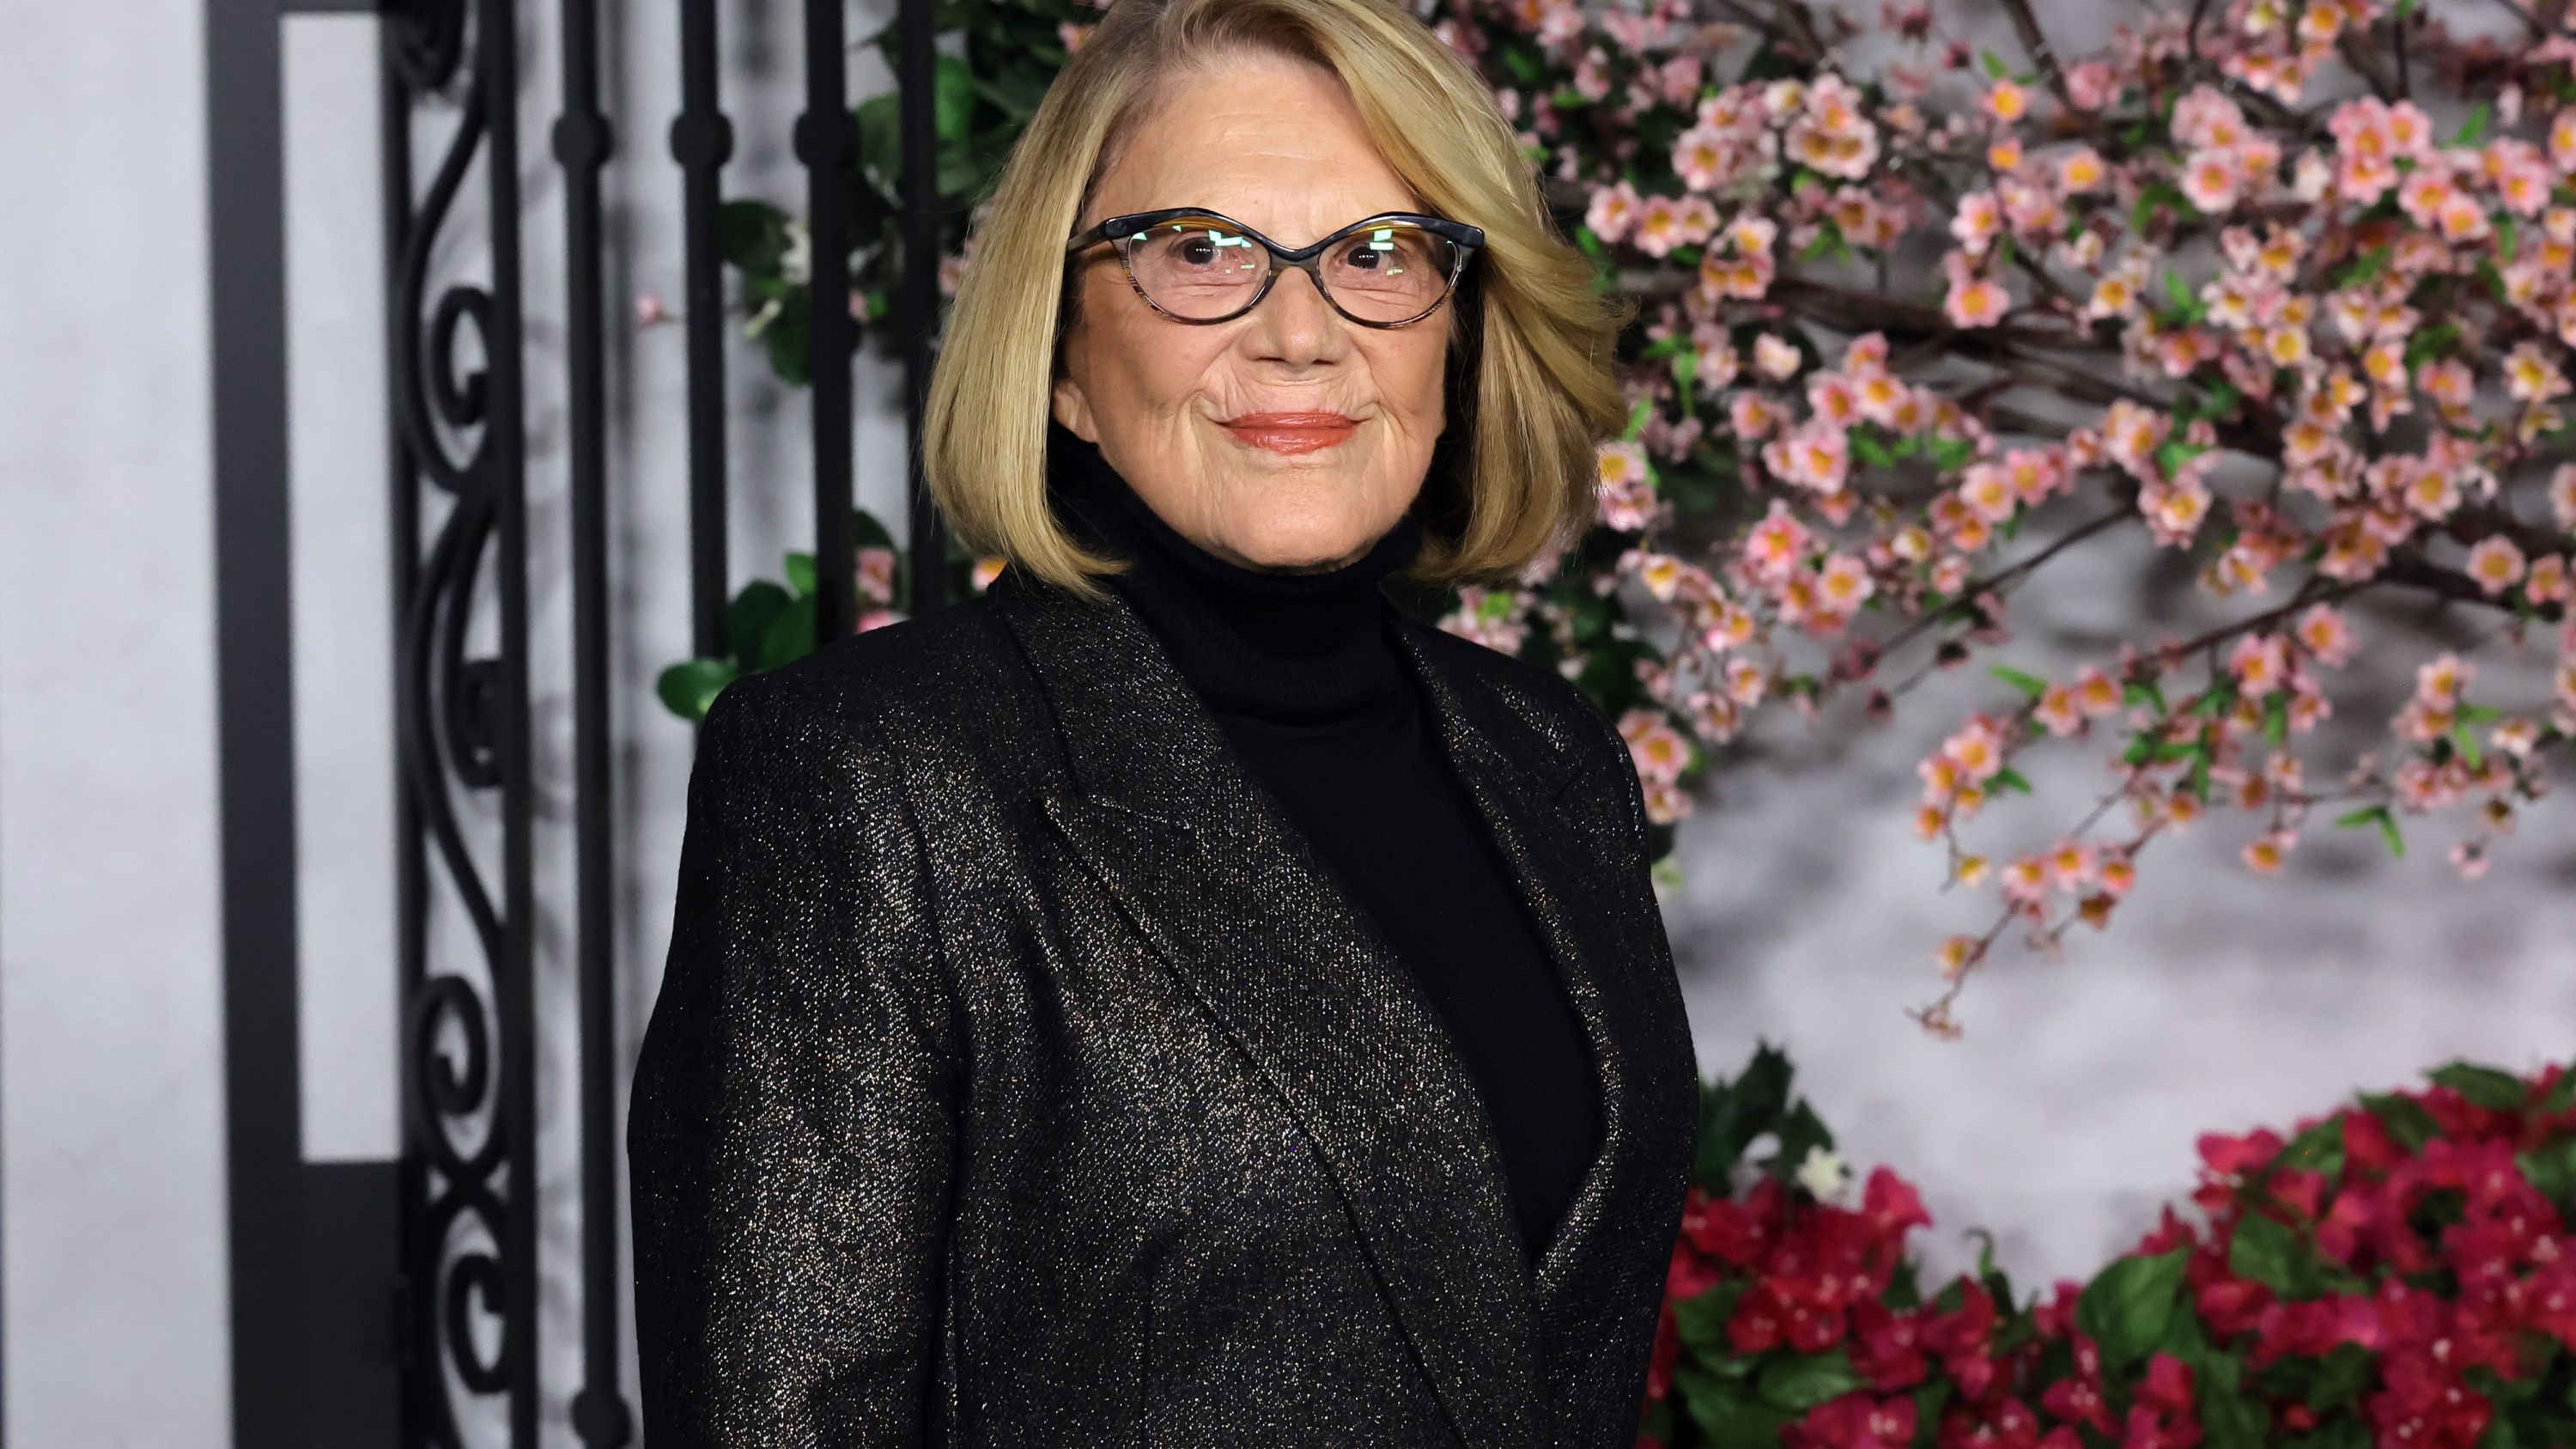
x: 1231, y: 896
x: 1547, y: 808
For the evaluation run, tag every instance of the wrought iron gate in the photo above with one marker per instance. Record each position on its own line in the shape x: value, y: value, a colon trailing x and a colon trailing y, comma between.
x: 453, y: 1222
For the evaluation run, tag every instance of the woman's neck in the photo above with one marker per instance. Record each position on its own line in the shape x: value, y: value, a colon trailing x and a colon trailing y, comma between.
x: 1297, y: 652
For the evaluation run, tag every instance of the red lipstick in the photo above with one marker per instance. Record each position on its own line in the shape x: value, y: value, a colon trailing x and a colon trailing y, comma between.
x: 1291, y: 432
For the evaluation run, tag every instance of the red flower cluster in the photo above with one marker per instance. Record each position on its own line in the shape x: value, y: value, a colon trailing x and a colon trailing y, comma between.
x: 2400, y: 1273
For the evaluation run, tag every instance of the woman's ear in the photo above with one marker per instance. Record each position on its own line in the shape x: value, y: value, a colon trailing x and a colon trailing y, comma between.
x: 1072, y: 409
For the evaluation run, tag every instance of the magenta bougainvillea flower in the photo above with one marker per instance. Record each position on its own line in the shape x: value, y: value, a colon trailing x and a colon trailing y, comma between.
x: 2397, y: 1273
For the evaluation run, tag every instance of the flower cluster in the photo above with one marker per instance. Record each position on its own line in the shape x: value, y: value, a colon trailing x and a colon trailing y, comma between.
x: 2399, y: 1273
x: 2263, y: 284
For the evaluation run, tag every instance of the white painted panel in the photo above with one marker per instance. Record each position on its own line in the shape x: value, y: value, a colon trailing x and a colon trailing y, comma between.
x: 111, y: 1086
x: 340, y: 528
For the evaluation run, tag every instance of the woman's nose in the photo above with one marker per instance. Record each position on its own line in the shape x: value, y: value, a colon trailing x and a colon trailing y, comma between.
x: 1295, y: 323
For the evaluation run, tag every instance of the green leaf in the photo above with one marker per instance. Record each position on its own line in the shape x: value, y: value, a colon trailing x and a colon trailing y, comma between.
x: 1637, y: 417
x: 1866, y: 446
x: 1733, y: 1113
x: 2160, y: 194
x: 687, y: 689
x: 1800, y: 1133
x: 1929, y: 1399
x: 2375, y: 815
x: 752, y: 236
x: 2466, y: 743
x: 2128, y: 1308
x: 2185, y: 302
x: 2011, y: 779
x: 1730, y: 1415
x: 952, y: 98
x: 2475, y: 127
x: 2030, y: 684
x: 2319, y: 1149
x: 1700, y: 1320
x: 2266, y: 1251
x: 2558, y: 1098
x: 2484, y: 1086
x: 2341, y: 1377
x: 747, y: 617
x: 1951, y: 454
x: 2231, y: 1419
x: 1803, y: 1381
x: 869, y: 531
x: 786, y: 337
x: 790, y: 636
x: 2430, y: 342
x: 800, y: 574
x: 2276, y: 718
x: 2552, y: 1170
x: 2409, y: 1125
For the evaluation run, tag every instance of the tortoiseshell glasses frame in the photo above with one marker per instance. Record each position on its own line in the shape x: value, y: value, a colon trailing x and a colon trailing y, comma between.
x: 1126, y: 230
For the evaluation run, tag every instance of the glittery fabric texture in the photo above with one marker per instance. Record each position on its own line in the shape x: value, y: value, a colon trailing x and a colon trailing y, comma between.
x: 1019, y: 1077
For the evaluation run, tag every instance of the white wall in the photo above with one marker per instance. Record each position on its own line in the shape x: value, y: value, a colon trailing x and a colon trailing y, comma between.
x: 111, y: 1195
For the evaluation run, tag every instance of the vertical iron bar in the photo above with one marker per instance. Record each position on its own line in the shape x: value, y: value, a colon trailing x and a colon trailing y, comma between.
x: 826, y: 140
x: 514, y: 987
x: 918, y: 309
x: 702, y: 141
x: 583, y: 142
x: 411, y: 866
x: 255, y: 718
x: 495, y: 58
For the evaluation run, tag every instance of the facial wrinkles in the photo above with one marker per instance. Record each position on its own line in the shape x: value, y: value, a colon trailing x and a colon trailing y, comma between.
x: 1266, y: 150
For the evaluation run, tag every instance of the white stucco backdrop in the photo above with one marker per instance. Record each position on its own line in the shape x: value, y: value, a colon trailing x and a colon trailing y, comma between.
x: 2060, y: 1121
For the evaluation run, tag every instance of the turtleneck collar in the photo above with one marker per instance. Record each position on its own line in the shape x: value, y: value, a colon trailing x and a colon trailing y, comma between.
x: 1287, y: 652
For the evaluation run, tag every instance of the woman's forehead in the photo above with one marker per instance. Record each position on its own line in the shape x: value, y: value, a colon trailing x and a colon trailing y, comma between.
x: 1274, y: 145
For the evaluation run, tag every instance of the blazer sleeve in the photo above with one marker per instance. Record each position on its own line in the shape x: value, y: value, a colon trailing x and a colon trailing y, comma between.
x: 792, y: 1127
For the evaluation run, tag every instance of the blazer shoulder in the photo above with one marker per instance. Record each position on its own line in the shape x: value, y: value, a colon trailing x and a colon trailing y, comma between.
x: 1548, y: 702
x: 934, y: 664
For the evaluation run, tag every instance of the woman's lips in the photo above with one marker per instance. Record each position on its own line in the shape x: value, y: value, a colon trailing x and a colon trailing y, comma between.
x: 1290, y: 432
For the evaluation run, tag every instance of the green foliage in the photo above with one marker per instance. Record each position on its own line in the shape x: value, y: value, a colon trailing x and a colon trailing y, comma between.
x: 768, y: 624
x: 2133, y: 1307
x: 1733, y: 1114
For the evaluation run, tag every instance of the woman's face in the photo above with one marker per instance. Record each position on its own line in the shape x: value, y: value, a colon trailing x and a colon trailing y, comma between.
x: 1275, y: 144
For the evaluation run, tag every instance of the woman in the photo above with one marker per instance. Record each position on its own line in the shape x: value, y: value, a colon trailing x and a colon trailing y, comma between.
x: 1208, y: 1006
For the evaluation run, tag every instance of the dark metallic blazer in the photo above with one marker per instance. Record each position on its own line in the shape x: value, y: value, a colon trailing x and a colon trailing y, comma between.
x: 1020, y: 1077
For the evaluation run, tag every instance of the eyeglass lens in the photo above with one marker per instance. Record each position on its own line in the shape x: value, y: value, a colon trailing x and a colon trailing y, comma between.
x: 1203, y: 269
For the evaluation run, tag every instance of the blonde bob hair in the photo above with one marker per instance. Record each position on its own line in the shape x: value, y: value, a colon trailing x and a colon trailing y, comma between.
x: 1530, y: 387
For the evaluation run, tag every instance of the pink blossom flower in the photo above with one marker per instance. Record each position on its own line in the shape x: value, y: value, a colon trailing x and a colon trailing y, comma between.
x: 1613, y: 211
x: 2496, y: 564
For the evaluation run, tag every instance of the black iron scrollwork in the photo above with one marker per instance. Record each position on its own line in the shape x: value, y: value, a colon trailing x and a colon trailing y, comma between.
x: 469, y: 1295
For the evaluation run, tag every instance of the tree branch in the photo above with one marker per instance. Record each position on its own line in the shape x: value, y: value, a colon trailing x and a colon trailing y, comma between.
x: 2035, y: 43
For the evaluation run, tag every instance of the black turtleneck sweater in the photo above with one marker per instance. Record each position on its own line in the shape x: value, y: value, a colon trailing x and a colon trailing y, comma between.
x: 1301, y: 673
